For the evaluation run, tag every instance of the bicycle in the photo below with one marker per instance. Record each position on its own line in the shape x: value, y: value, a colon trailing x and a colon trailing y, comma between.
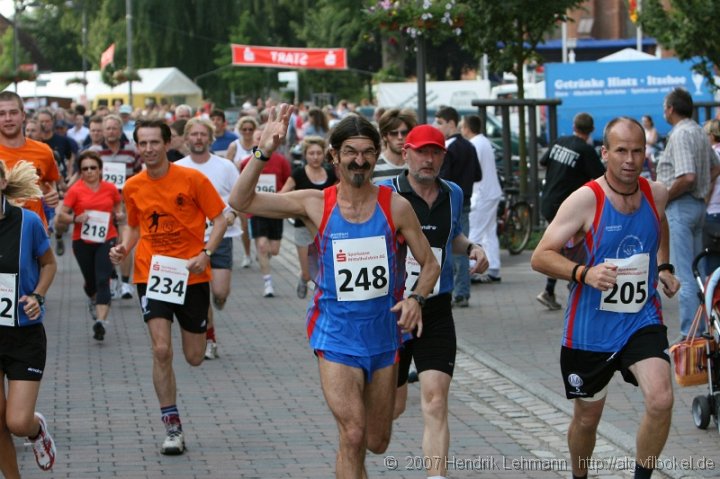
x: 514, y: 219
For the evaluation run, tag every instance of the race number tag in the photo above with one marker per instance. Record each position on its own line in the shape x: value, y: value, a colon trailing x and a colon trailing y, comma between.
x: 630, y: 292
x: 361, y: 268
x: 8, y: 294
x: 168, y: 279
x: 114, y: 173
x: 266, y: 184
x: 412, y: 269
x: 95, y: 228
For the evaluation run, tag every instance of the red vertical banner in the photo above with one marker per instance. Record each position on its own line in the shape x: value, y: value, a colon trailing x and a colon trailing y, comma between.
x: 280, y: 57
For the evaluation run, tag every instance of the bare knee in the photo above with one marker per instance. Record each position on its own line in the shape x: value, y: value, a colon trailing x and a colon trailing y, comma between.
x: 353, y: 437
x: 434, y: 405
x: 21, y: 425
x: 379, y: 442
x: 163, y: 353
x: 194, y: 358
x: 660, y: 403
x: 586, y: 419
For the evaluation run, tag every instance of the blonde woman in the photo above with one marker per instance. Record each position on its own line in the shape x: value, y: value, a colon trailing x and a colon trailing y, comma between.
x: 318, y: 175
x: 27, y: 268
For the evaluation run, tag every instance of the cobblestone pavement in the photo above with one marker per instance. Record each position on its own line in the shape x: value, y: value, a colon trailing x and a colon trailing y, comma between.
x: 258, y: 412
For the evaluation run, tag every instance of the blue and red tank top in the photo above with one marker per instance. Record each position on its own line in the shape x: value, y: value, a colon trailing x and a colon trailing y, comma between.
x: 604, y: 321
x: 358, y: 271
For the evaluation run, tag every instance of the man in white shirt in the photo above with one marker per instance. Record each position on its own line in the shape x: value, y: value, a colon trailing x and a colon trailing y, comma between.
x: 199, y: 135
x: 484, y: 201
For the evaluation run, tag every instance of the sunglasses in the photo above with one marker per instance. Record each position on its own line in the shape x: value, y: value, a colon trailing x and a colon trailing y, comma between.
x: 86, y: 168
x: 397, y: 133
x: 247, y: 129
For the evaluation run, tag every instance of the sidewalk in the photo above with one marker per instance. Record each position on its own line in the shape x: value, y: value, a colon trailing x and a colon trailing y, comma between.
x: 258, y: 411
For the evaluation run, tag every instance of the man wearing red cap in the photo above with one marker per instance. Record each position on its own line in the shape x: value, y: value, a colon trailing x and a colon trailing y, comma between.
x: 357, y: 314
x: 438, y: 205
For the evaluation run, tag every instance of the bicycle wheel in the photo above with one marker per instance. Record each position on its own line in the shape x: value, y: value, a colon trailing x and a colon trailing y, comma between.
x: 518, y: 227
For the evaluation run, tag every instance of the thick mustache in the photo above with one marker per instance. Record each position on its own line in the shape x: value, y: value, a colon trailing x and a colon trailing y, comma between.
x: 355, y: 166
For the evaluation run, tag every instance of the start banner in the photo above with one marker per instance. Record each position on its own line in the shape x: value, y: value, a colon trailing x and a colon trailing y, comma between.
x: 280, y: 57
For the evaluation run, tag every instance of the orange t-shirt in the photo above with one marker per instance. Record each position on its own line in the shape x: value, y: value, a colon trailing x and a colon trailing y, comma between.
x: 170, y: 212
x: 40, y: 155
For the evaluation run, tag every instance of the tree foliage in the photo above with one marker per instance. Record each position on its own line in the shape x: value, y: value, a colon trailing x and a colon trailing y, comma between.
x: 686, y: 27
x: 509, y: 33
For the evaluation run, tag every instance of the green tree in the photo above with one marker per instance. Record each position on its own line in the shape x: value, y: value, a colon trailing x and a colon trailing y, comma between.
x: 686, y: 27
x: 509, y: 33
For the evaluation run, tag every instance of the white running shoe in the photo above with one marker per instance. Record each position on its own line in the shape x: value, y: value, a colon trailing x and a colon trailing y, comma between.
x: 174, y: 443
x: 91, y: 309
x: 126, y: 291
x: 44, y: 446
x: 114, y: 289
x: 211, y: 350
x: 269, y: 291
x: 246, y: 262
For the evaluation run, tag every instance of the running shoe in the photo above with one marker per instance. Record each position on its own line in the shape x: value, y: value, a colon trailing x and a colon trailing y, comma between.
x: 91, y: 309
x: 211, y: 350
x: 174, y: 443
x: 98, y: 330
x: 301, y: 289
x: 114, y: 293
x: 460, y: 302
x: 59, y: 246
x: 478, y: 278
x: 413, y: 377
x: 548, y: 300
x: 43, y: 446
x: 246, y: 262
x: 126, y: 291
x: 269, y: 291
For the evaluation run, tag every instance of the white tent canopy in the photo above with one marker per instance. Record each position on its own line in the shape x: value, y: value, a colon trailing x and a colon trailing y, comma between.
x: 161, y: 81
x: 626, y: 55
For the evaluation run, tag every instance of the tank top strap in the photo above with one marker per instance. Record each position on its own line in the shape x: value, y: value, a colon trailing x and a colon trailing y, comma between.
x: 330, y: 200
x: 385, y: 202
x: 646, y: 190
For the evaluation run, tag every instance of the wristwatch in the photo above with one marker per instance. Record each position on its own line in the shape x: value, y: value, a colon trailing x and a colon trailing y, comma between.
x: 258, y: 153
x: 39, y: 298
x: 208, y: 252
x: 666, y: 267
x: 419, y: 298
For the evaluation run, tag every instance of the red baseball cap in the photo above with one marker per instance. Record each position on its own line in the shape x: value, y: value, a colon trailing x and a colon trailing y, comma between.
x: 423, y: 135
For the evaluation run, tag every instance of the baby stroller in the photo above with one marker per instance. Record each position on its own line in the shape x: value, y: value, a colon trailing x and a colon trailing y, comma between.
x: 708, y: 406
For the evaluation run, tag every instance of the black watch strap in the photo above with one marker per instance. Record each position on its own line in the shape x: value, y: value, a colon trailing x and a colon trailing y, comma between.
x: 39, y: 298
x: 419, y: 298
x: 666, y: 267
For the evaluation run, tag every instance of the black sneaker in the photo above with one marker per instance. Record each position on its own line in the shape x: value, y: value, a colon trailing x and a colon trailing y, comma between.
x: 99, y: 331
x: 460, y: 302
x: 413, y: 377
x: 59, y: 246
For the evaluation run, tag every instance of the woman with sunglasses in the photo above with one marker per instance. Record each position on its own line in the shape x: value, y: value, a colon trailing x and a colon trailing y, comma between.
x: 94, y: 207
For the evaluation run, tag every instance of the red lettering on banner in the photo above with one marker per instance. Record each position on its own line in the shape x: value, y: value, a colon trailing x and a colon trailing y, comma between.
x: 317, y: 58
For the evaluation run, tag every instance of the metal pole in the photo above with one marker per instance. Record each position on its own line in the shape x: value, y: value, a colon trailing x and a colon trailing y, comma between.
x: 639, y: 28
x: 563, y: 29
x: 84, y: 47
x: 422, y: 106
x: 15, y: 40
x: 128, y: 26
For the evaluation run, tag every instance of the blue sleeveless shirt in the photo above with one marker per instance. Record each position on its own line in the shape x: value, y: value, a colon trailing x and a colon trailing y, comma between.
x: 603, y: 322
x: 358, y: 269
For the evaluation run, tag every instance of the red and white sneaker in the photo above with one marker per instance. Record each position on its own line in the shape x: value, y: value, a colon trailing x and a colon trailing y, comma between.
x: 44, y: 446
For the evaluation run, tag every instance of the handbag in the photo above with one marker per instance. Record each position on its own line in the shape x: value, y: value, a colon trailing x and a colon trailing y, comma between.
x: 690, y: 356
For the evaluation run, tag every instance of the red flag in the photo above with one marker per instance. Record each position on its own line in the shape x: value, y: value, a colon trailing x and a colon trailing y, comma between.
x: 108, y: 56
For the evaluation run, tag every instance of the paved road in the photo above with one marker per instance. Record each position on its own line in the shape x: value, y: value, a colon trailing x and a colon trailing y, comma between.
x: 257, y: 411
